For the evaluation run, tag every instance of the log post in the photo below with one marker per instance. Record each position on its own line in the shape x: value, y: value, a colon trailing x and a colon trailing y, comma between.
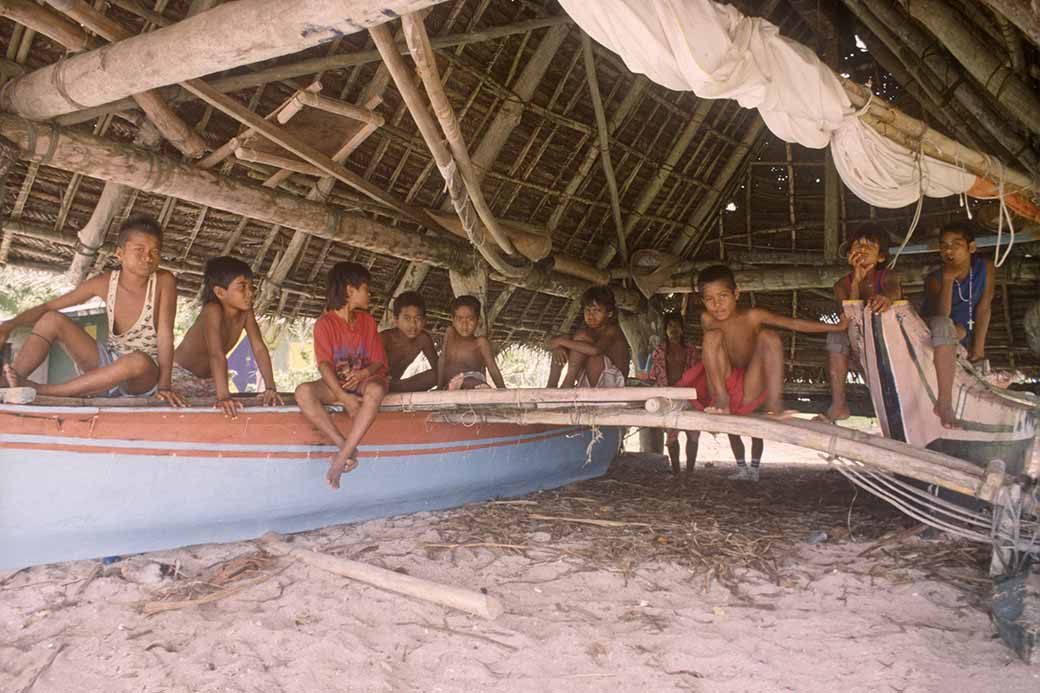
x: 643, y: 332
x: 473, y: 283
x: 111, y: 202
x: 200, y: 45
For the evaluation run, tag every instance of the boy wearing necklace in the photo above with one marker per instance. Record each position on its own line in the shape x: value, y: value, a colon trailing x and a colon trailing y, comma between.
x: 958, y: 299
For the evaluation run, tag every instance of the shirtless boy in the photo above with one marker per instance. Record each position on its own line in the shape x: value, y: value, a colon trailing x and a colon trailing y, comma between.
x: 958, y: 302
x: 744, y: 362
x: 136, y: 359
x: 465, y: 356
x: 671, y: 359
x: 200, y: 361
x: 405, y: 341
x: 352, y: 364
x: 870, y: 282
x: 596, y: 355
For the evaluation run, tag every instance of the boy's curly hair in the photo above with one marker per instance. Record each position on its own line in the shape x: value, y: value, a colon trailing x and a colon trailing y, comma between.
x: 471, y: 302
x: 600, y: 296
x: 409, y: 298
x: 716, y: 273
x: 221, y: 271
x: 141, y: 224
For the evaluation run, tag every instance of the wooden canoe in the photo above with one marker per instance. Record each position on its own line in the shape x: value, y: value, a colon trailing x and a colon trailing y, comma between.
x: 84, y: 482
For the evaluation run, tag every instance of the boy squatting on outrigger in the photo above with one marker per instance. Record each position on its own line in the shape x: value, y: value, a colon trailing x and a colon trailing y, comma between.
x: 136, y: 358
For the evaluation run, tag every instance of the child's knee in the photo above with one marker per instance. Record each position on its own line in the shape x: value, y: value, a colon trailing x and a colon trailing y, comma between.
x: 770, y: 341
x: 51, y: 322
x: 304, y: 391
x: 944, y: 332
x: 713, y: 339
x: 139, y: 363
x: 374, y: 390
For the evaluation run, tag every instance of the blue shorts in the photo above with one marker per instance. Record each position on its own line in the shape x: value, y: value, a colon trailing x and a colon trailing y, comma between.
x: 107, y: 358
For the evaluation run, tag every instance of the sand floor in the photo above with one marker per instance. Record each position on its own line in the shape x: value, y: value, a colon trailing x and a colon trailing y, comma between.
x: 706, y: 585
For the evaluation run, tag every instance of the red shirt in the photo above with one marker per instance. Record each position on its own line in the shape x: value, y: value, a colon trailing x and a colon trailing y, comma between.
x: 349, y: 347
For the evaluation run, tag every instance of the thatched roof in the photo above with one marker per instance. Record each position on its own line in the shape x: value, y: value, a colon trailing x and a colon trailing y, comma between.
x: 503, y: 57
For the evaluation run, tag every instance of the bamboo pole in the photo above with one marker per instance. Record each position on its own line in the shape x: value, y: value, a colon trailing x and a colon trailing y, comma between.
x: 1012, y: 91
x: 46, y: 22
x: 470, y: 601
x: 1019, y: 13
x: 431, y: 136
x: 885, y: 454
x: 426, y: 64
x: 604, y: 143
x: 199, y: 45
x: 938, y: 76
x: 337, y: 107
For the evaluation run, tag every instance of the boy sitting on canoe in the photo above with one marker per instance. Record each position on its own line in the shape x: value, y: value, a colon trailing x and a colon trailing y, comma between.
x: 136, y: 359
x: 743, y: 366
x: 465, y: 356
x: 352, y: 364
x: 596, y: 355
x: 957, y: 302
x: 200, y: 362
x: 868, y: 281
x: 405, y: 341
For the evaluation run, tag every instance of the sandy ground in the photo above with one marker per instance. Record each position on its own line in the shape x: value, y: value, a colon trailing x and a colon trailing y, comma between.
x: 624, y: 608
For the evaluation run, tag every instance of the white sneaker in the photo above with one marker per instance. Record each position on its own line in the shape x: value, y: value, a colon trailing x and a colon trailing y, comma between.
x: 741, y: 474
x: 753, y: 474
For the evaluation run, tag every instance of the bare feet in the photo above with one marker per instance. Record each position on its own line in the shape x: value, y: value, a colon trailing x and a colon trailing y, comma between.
x: 781, y: 413
x: 834, y: 414
x: 720, y: 406
x: 339, y: 465
x: 946, y: 416
x: 13, y: 378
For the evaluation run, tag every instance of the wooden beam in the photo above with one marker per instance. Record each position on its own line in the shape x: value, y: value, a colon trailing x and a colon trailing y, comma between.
x: 162, y: 115
x: 200, y: 45
x: 253, y: 79
x: 1019, y: 13
x: 303, y: 150
x: 604, y: 143
x: 44, y: 21
x: 80, y: 152
x: 1013, y: 92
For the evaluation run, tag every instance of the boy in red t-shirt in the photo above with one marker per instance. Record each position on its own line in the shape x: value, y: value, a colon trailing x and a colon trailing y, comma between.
x: 352, y: 364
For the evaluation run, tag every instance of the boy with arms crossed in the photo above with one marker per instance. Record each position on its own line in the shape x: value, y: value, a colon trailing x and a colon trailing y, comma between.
x: 405, y: 341
x: 871, y: 282
x: 743, y: 361
x: 136, y: 359
x: 597, y: 355
x: 352, y: 364
x: 465, y: 356
x: 200, y: 361
x: 958, y: 304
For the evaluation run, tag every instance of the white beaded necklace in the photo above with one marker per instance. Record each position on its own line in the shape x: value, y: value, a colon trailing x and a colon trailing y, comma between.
x: 960, y: 294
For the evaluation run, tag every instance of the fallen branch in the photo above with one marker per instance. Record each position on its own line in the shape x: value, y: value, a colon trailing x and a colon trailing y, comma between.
x: 595, y: 523
x: 459, y: 598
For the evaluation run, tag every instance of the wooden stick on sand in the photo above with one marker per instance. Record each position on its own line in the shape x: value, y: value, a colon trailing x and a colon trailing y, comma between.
x: 460, y: 598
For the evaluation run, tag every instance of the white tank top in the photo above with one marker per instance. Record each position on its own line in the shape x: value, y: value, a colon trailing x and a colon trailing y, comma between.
x: 142, y: 335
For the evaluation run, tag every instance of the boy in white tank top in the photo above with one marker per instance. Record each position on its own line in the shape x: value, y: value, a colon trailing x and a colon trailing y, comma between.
x: 137, y: 356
